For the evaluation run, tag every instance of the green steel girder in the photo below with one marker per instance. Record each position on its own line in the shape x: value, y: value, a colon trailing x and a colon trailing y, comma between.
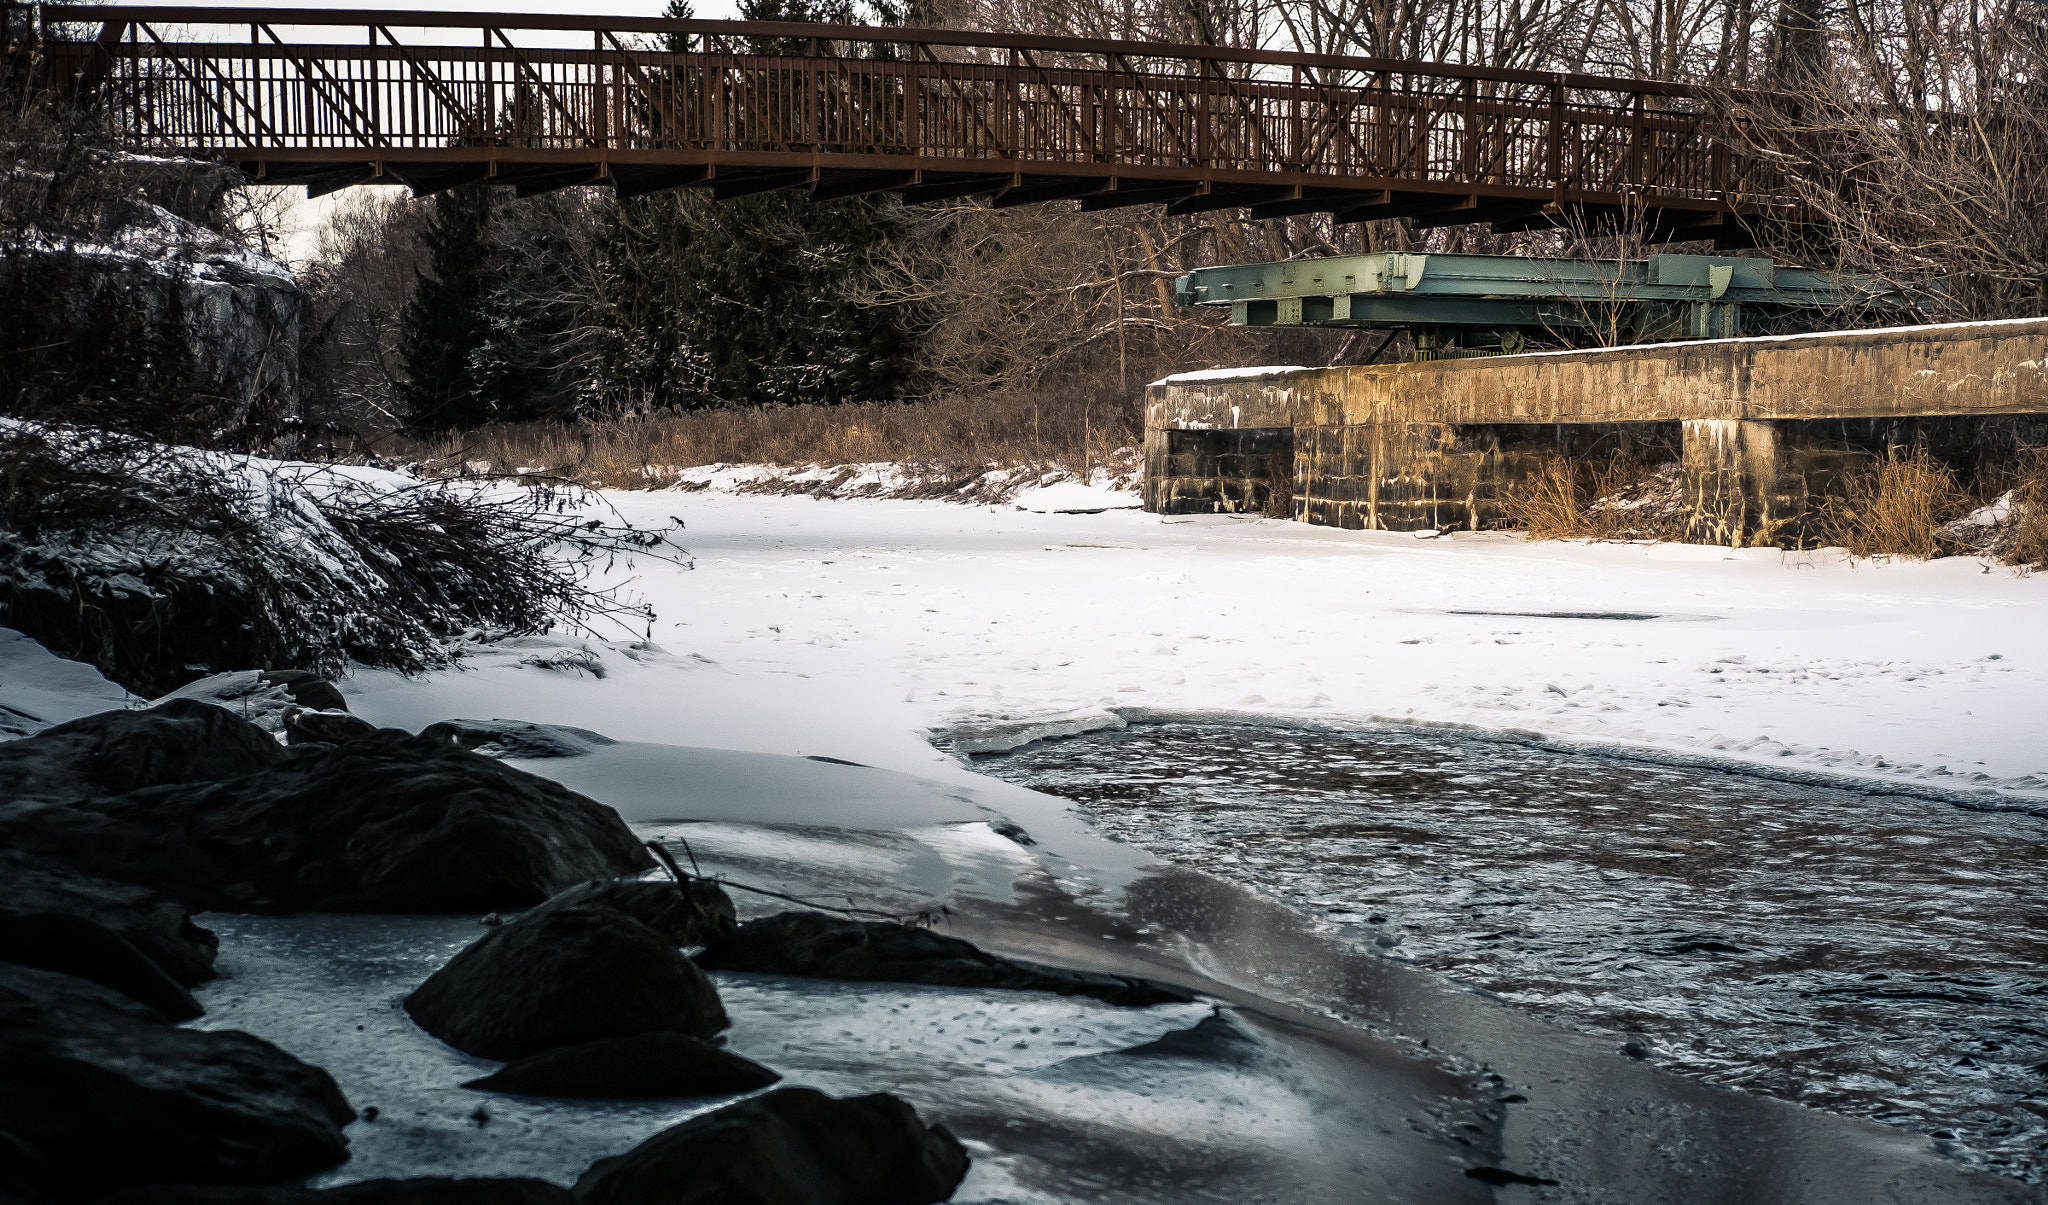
x: 1662, y: 296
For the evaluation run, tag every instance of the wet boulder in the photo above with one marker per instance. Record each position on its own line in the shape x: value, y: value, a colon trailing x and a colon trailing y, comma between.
x: 645, y: 1065
x: 388, y: 823
x: 181, y: 741
x: 694, y: 912
x: 517, y: 738
x: 428, y: 1191
x: 831, y: 947
x: 101, y: 1094
x: 792, y: 1146
x: 75, y: 945
x: 576, y: 969
x: 152, y: 923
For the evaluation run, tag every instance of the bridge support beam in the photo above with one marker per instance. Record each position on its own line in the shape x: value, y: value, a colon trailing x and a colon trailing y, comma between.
x: 1737, y: 487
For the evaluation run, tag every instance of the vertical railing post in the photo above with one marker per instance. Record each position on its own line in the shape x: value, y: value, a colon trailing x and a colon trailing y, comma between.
x: 1556, y: 148
x: 376, y: 106
x: 1468, y: 159
x: 1635, y: 143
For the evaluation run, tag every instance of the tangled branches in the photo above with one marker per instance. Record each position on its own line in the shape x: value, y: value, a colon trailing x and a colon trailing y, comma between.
x: 161, y: 565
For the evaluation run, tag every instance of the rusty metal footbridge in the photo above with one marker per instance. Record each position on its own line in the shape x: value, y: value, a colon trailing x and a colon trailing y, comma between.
x: 331, y: 98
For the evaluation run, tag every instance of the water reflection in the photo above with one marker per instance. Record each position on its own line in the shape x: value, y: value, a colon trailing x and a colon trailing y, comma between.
x: 1883, y: 957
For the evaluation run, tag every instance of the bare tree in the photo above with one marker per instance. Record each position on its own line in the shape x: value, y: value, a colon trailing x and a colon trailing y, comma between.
x: 1916, y: 149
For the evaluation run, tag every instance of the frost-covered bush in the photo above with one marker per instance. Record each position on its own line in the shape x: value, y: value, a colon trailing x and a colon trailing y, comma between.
x: 161, y: 565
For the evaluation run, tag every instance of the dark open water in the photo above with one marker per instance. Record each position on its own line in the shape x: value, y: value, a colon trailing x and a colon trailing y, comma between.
x: 1879, y: 956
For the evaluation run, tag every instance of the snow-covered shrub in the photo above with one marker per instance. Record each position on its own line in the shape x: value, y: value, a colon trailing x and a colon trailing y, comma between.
x: 162, y: 565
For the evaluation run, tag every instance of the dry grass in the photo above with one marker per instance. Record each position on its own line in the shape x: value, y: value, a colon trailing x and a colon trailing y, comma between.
x: 1894, y: 508
x: 2028, y: 543
x: 1613, y: 497
x: 1072, y: 432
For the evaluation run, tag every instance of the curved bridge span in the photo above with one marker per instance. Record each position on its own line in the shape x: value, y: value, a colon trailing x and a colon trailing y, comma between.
x: 331, y: 98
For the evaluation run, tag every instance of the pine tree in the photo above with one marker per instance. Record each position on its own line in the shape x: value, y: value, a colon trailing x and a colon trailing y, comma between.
x: 445, y: 324
x: 750, y: 300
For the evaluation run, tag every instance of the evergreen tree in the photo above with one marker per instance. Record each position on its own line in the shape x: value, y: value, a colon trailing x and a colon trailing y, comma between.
x: 752, y: 300
x: 445, y: 324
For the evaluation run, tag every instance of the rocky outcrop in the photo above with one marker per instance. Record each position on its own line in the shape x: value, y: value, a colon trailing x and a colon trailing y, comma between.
x: 646, y: 1065
x: 575, y: 970
x: 830, y: 947
x: 158, y: 927
x: 793, y: 1146
x: 74, y: 945
x: 100, y: 1094
x: 181, y: 741
x: 389, y: 823
x: 695, y: 912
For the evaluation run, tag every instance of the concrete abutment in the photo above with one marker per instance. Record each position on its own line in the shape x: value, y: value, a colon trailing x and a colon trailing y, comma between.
x: 1763, y: 428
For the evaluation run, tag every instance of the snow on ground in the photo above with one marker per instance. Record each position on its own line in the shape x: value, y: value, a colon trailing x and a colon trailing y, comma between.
x: 1111, y: 485
x: 845, y: 627
x: 39, y: 688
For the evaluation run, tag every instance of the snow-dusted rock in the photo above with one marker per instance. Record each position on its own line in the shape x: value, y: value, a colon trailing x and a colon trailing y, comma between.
x: 261, y: 696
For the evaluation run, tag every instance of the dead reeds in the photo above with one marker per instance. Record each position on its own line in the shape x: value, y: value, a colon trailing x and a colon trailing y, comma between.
x: 1076, y: 433
x: 1894, y: 507
x: 1608, y: 497
x: 2028, y: 543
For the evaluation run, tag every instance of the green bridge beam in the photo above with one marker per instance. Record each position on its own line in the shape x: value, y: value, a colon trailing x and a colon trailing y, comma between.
x: 1519, y: 297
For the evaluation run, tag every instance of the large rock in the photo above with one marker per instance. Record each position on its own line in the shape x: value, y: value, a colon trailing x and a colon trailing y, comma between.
x: 181, y: 741
x: 369, y: 1192
x: 74, y: 945
x: 831, y: 947
x: 98, y: 1093
x: 646, y: 1065
x: 575, y: 970
x: 390, y: 823
x: 793, y: 1146
x: 695, y: 912
x: 144, y: 919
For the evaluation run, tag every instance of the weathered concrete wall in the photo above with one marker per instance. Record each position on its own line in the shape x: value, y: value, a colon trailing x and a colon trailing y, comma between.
x: 1970, y: 368
x: 1767, y: 424
x: 1438, y: 476
x: 1218, y: 471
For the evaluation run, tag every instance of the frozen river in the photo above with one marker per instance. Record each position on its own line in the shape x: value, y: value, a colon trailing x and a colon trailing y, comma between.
x: 1884, y: 957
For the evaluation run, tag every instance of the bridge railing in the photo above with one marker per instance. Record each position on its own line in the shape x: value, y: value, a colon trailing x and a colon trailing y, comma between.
x: 249, y: 84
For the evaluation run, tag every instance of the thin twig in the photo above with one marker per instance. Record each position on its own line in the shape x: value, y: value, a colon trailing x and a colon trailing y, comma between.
x: 923, y: 919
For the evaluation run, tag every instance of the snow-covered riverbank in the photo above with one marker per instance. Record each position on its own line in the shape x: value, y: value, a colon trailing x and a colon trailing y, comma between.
x: 811, y: 634
x: 844, y: 628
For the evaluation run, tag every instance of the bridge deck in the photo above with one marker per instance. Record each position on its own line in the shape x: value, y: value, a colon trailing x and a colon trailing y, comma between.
x: 389, y: 97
